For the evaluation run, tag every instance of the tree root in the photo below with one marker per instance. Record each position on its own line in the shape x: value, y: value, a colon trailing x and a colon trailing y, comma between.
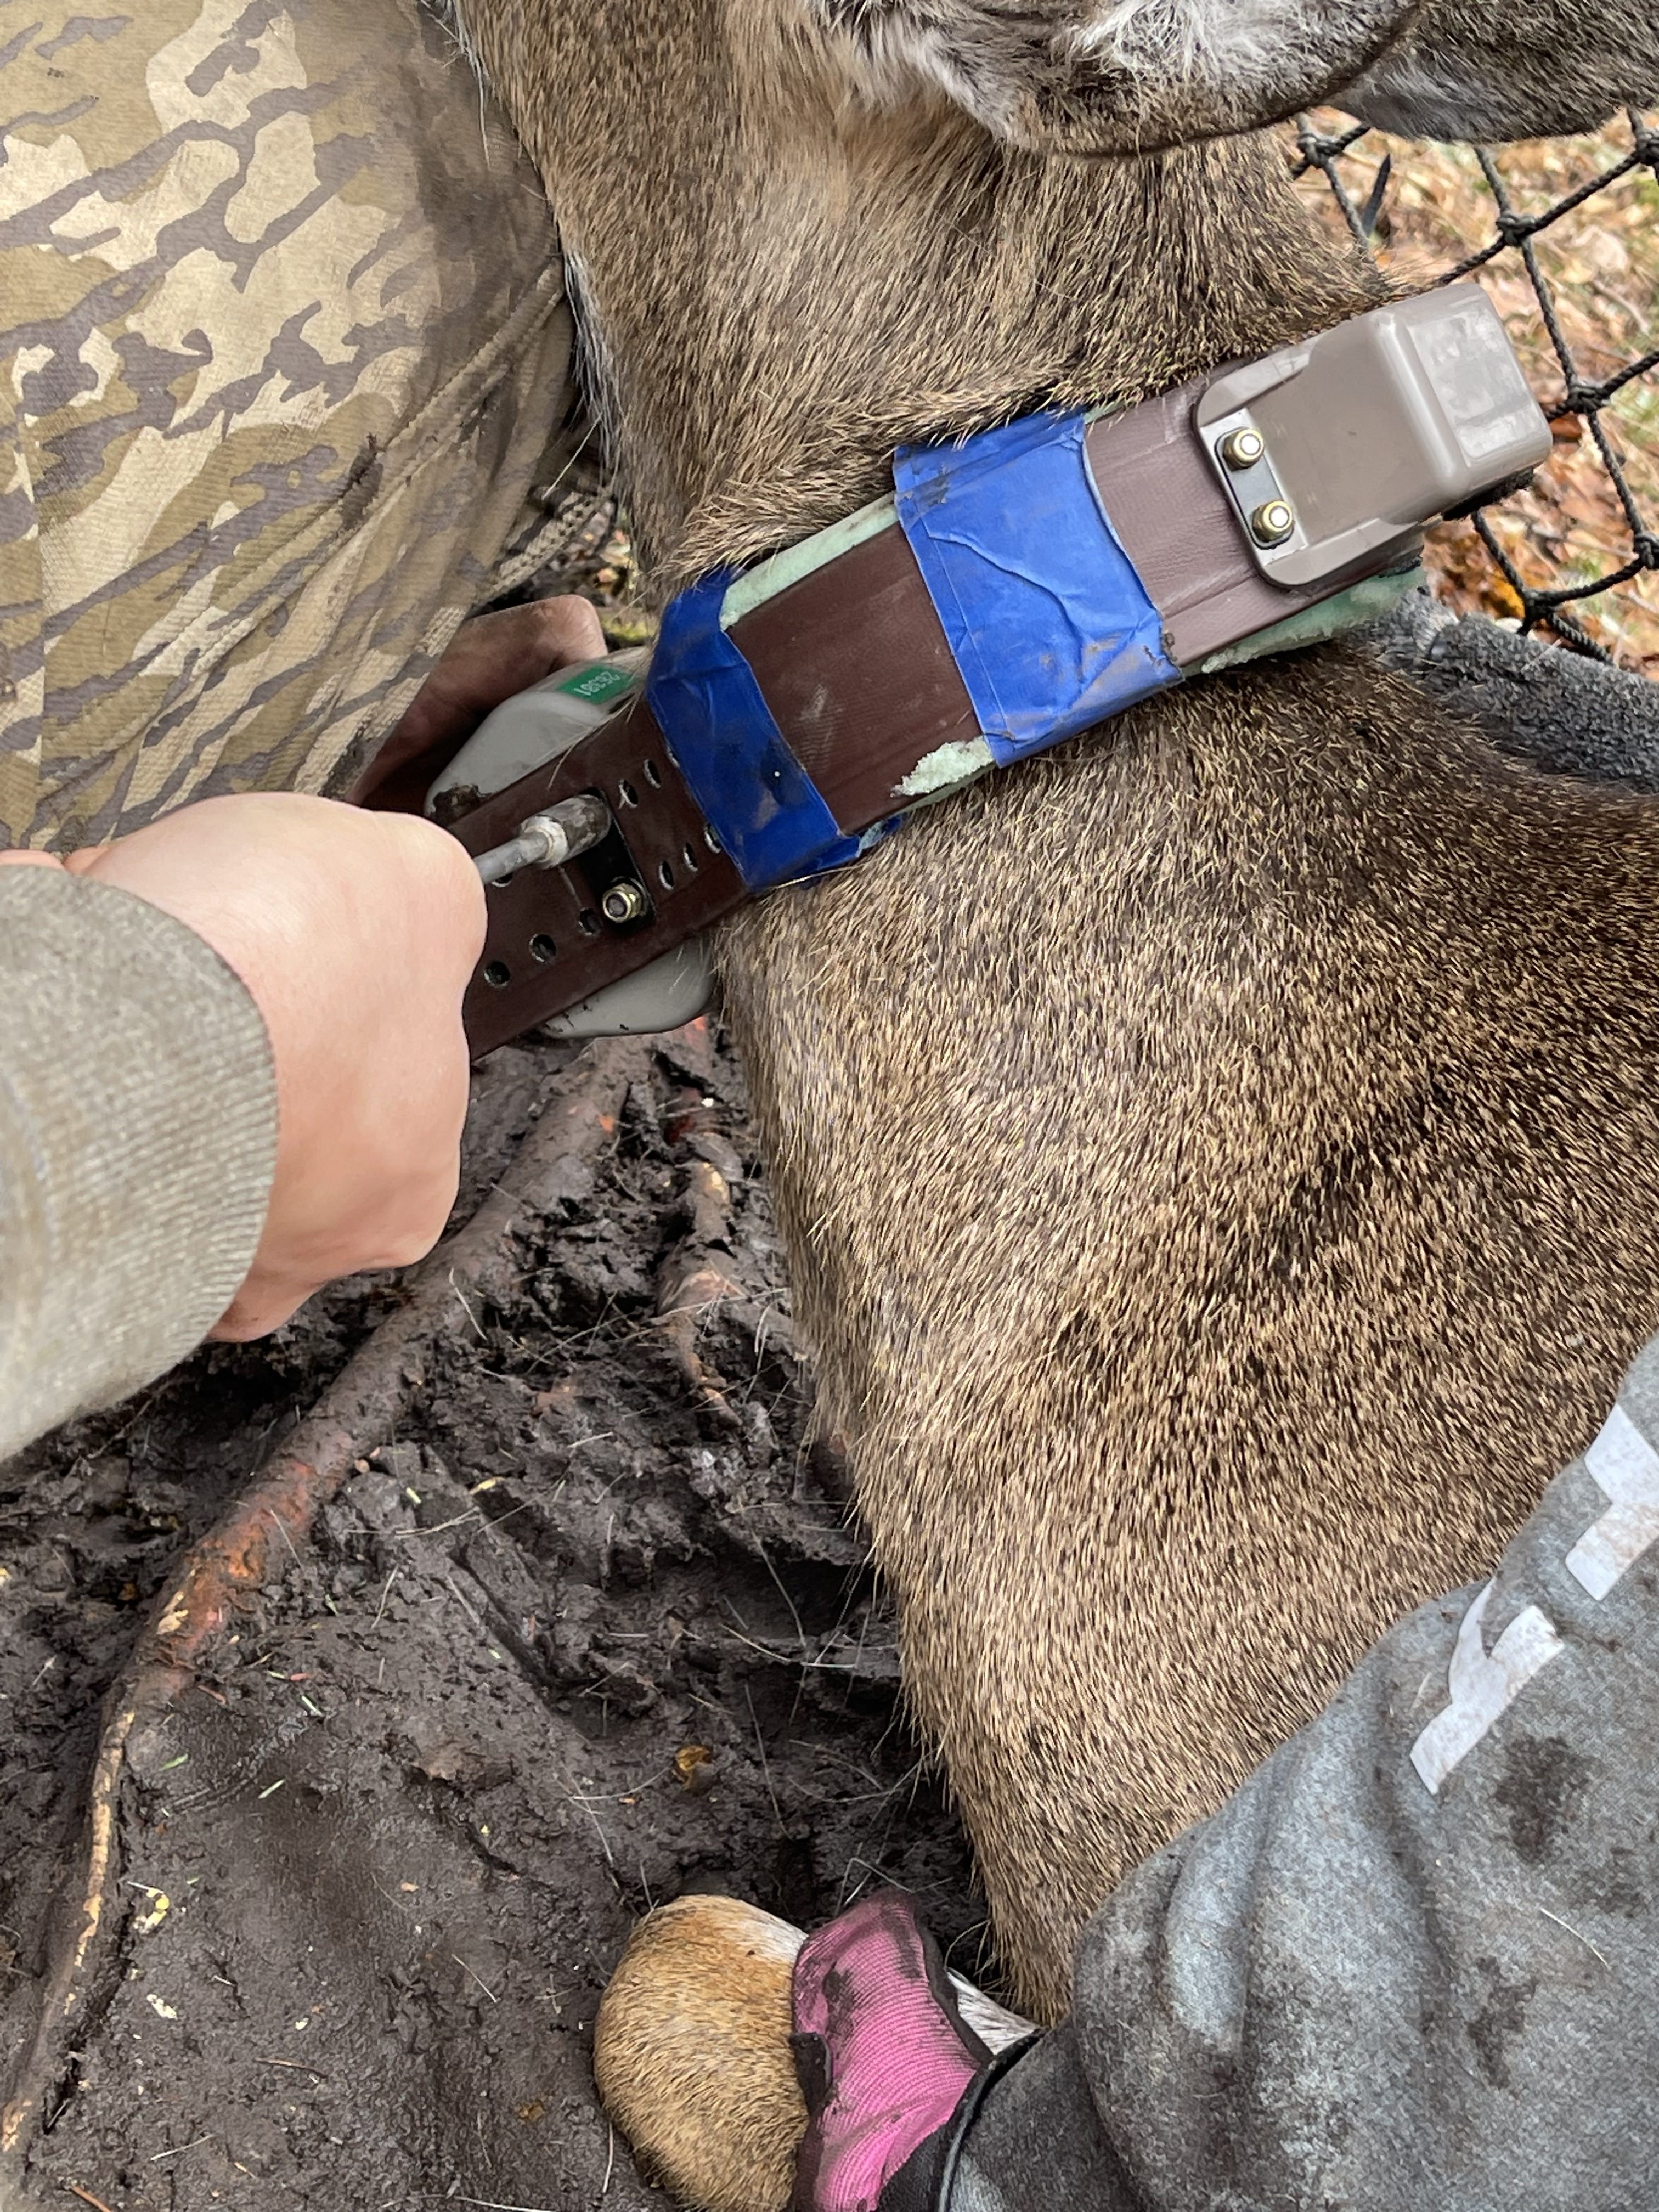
x: 222, y: 1571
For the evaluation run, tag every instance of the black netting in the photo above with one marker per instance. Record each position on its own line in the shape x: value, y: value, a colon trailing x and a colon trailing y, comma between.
x: 1344, y: 156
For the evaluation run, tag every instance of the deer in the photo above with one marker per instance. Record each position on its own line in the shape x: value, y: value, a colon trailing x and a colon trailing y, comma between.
x: 1218, y: 1159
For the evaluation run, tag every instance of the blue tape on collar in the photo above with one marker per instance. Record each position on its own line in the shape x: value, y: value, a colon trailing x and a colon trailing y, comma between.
x: 1048, y: 622
x: 758, y: 799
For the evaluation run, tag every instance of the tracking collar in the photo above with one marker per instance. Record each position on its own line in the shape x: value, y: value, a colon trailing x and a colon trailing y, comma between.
x: 1016, y: 589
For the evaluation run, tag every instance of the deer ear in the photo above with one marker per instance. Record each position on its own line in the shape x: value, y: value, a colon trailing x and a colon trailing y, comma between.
x: 1112, y: 76
x: 1491, y: 69
x: 894, y: 48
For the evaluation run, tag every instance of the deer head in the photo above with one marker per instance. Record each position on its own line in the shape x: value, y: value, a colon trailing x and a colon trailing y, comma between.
x: 1122, y: 77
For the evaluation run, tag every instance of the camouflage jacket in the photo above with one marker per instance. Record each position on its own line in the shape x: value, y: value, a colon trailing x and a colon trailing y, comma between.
x: 283, y: 346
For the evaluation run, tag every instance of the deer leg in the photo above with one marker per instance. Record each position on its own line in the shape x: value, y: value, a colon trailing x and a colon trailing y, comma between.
x: 945, y: 1170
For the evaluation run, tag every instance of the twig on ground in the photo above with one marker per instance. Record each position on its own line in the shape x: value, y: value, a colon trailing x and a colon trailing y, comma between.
x: 478, y: 1978
x: 385, y: 1595
x: 467, y: 1310
x: 86, y: 2197
x: 766, y: 1768
x: 282, y: 1532
x: 794, y: 1616
x: 489, y: 2204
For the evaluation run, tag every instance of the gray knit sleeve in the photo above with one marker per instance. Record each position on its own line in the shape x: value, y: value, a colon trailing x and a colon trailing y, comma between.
x: 138, y: 1142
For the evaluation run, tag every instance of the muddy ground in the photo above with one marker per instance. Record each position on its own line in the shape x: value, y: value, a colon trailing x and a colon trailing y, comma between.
x: 590, y: 1629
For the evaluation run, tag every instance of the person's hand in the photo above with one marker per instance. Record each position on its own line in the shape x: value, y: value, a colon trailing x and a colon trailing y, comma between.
x: 489, y: 659
x: 493, y: 657
x: 887, y: 2062
x: 356, y: 934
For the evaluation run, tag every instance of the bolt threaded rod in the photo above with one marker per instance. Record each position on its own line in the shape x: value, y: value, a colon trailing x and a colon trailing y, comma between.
x: 548, y: 840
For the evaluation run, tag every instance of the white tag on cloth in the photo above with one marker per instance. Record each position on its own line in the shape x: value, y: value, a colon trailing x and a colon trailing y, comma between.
x: 1626, y: 1468
x: 1483, y: 1684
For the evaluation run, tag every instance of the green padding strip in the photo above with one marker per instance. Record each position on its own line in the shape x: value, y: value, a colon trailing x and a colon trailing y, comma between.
x: 1356, y: 608
x: 764, y: 582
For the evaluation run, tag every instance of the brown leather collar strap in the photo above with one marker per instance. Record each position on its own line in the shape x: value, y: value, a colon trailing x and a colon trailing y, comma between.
x: 854, y: 665
x: 1020, y: 588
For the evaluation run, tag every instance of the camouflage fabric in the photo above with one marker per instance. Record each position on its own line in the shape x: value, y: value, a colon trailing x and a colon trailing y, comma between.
x: 283, y: 346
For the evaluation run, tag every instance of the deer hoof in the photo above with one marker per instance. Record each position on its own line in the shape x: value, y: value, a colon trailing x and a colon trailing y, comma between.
x: 691, y: 2054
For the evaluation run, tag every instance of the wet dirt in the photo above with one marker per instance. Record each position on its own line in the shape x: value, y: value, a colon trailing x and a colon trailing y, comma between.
x: 592, y: 1629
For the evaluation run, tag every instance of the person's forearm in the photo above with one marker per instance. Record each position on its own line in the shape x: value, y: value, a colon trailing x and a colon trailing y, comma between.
x: 1415, y: 1960
x: 138, y: 1138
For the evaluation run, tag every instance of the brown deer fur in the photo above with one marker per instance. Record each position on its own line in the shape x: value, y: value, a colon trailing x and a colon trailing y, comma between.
x: 1220, y: 1162
x: 691, y: 2054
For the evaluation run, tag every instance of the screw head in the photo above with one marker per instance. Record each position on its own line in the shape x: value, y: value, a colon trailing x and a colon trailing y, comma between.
x: 1273, y: 522
x: 623, y: 901
x: 1243, y: 449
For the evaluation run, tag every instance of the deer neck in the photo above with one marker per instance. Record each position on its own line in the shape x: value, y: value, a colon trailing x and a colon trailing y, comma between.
x: 776, y: 286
